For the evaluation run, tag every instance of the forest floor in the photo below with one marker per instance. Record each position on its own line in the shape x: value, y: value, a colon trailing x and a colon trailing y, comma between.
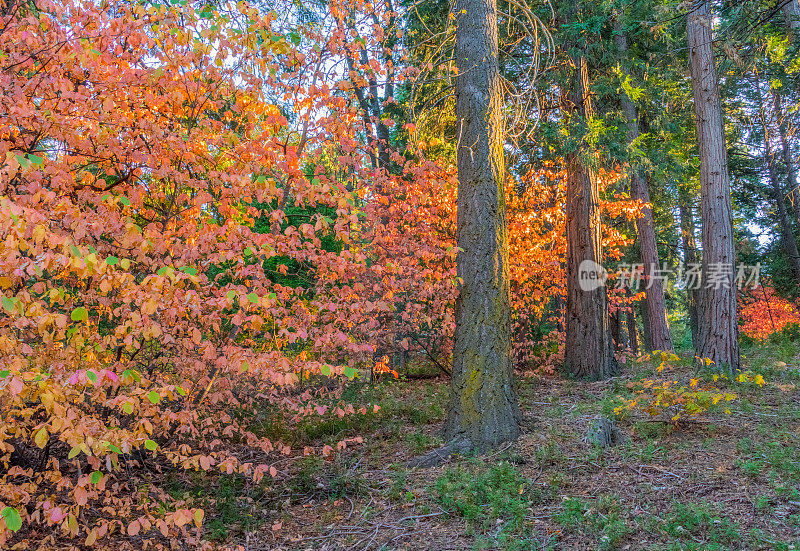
x: 716, y: 481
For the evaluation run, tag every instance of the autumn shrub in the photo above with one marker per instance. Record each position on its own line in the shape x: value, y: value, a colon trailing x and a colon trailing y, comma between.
x: 764, y: 314
x: 149, y: 312
x: 196, y: 249
x: 410, y: 228
x: 669, y: 397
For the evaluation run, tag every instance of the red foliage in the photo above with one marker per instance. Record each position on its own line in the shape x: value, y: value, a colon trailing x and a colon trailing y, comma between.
x: 410, y: 235
x: 762, y: 312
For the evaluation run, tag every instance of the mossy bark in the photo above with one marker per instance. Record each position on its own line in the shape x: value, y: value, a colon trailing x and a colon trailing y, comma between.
x: 483, y: 408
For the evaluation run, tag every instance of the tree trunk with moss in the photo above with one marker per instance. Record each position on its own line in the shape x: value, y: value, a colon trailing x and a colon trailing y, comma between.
x: 483, y: 407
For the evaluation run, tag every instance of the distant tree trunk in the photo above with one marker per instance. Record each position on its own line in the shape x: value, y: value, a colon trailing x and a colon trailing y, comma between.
x: 645, y: 315
x: 690, y: 258
x: 588, y: 352
x: 791, y: 13
x: 633, y: 336
x: 483, y: 407
x: 616, y: 333
x: 784, y: 223
x: 654, y: 303
x: 718, y: 324
x: 792, y: 190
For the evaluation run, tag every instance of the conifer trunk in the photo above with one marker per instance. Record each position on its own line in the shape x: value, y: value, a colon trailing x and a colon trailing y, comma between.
x: 483, y: 407
x: 718, y: 328
x: 655, y: 306
x: 588, y: 351
x: 784, y: 222
x: 690, y: 258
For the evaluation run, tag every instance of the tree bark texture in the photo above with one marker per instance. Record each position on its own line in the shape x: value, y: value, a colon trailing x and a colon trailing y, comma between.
x: 633, y: 333
x: 483, y: 407
x: 718, y: 324
x: 589, y: 350
x: 660, y: 337
x: 792, y: 191
x: 791, y: 14
x: 784, y: 222
x: 690, y: 257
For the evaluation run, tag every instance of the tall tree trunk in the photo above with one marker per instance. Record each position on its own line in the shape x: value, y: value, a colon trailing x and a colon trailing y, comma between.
x: 660, y: 337
x: 718, y: 324
x: 690, y: 258
x: 483, y: 407
x: 792, y: 190
x: 589, y: 351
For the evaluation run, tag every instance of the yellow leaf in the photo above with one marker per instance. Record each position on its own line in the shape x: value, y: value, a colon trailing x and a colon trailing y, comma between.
x: 198, y: 517
x: 41, y: 438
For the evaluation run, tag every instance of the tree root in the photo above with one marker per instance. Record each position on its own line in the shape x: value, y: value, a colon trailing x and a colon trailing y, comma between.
x: 438, y: 456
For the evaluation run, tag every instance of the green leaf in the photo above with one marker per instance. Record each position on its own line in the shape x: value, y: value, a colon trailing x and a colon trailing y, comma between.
x: 231, y: 295
x: 125, y: 201
x: 325, y: 370
x: 162, y: 271
x: 115, y: 449
x: 97, y: 476
x: 248, y: 251
x: 75, y: 250
x: 23, y: 162
x: 271, y: 295
x: 179, y: 390
x: 12, y: 519
x: 349, y: 372
x: 154, y: 397
x: 252, y: 297
x: 245, y: 366
x: 150, y: 445
x: 127, y: 407
x: 133, y: 374
x: 106, y: 196
x: 8, y: 304
x: 5, y: 373
x: 35, y: 159
x: 79, y: 314
x: 112, y: 260
x: 188, y: 270
x: 74, y: 452
x: 91, y: 375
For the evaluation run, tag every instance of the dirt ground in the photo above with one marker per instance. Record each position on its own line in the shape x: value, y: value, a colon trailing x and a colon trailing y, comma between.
x: 717, y: 481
